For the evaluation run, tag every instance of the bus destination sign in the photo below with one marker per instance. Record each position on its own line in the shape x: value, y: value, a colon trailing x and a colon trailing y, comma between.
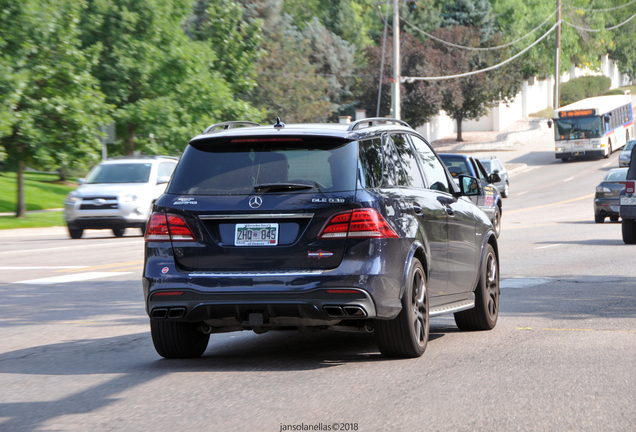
x: 577, y: 113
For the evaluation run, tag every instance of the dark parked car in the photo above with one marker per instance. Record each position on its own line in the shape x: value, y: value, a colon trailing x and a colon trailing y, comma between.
x: 606, y: 199
x: 489, y: 200
x: 495, y: 165
x: 352, y: 227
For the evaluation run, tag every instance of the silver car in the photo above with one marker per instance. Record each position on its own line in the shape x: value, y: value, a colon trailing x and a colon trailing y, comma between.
x: 117, y: 194
x: 495, y: 165
x: 626, y: 154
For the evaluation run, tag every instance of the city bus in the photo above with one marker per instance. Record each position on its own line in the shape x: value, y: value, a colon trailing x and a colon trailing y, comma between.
x: 593, y: 127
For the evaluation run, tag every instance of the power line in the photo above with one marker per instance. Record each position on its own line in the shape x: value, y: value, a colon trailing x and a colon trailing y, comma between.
x: 440, y: 78
x: 607, y: 28
x: 479, y: 49
x: 600, y: 10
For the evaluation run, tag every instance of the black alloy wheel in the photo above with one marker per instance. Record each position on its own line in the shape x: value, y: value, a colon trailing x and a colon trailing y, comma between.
x: 173, y: 339
x: 406, y: 336
x: 486, y: 311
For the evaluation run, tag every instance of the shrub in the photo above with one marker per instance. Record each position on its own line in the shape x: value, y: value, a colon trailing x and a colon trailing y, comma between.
x: 584, y: 87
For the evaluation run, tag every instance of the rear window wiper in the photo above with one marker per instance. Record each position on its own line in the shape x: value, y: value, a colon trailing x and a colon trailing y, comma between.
x: 281, y: 187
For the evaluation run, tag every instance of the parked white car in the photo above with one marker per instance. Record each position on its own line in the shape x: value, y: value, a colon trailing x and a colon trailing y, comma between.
x: 118, y: 194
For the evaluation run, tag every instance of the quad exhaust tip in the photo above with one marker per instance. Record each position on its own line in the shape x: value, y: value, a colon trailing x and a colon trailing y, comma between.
x: 345, y: 311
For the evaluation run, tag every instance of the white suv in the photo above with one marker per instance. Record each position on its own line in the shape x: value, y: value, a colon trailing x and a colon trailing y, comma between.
x: 118, y: 194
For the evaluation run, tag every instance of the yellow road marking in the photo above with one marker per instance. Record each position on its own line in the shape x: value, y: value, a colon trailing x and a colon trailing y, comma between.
x: 128, y: 268
x: 550, y: 205
x: 102, y: 266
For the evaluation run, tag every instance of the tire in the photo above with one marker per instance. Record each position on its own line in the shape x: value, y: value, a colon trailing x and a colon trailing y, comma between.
x: 609, y: 151
x: 75, y: 233
x: 486, y: 311
x: 598, y: 218
x: 496, y: 221
x: 614, y: 218
x: 628, y: 227
x: 119, y: 232
x: 174, y: 340
x: 506, y: 190
x: 406, y: 336
x: 143, y: 229
x: 564, y: 159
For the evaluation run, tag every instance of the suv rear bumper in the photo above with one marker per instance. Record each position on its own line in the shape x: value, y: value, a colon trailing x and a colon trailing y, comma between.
x: 276, y: 307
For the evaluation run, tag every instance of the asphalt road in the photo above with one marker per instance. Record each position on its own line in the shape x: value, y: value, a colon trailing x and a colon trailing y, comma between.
x: 76, y: 354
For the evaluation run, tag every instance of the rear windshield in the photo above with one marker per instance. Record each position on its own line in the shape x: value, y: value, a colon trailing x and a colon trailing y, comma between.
x: 120, y: 173
x: 617, y: 175
x: 241, y: 166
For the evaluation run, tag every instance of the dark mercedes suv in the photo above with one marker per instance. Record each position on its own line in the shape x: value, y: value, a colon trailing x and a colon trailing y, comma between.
x: 353, y: 227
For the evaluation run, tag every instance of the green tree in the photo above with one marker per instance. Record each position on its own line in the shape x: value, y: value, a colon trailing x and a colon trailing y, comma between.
x: 235, y: 40
x: 50, y: 104
x: 165, y: 87
x: 471, y: 97
x: 470, y: 13
x: 420, y: 99
x: 289, y: 86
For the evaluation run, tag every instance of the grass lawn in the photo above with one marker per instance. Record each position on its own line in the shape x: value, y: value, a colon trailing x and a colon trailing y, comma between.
x: 33, y: 220
x: 41, y: 191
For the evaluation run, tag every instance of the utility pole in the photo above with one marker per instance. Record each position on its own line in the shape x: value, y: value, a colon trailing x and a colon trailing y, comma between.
x: 557, y: 57
x: 396, y: 111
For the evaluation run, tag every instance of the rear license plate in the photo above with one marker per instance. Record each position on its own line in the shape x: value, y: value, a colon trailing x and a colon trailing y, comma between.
x: 256, y: 235
x: 628, y: 200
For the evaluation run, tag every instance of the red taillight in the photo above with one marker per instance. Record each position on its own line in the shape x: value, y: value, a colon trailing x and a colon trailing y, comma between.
x: 629, y: 187
x: 164, y: 227
x: 363, y: 223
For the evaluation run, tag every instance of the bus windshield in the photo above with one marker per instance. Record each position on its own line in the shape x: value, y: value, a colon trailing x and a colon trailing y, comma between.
x: 578, y: 128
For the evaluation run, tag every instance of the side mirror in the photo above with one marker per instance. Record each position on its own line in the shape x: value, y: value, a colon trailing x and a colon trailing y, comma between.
x: 163, y: 180
x: 81, y: 181
x: 469, y: 186
x: 550, y: 123
x: 494, y: 177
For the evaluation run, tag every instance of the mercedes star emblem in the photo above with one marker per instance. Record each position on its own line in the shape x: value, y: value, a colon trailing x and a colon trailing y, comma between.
x: 255, y: 202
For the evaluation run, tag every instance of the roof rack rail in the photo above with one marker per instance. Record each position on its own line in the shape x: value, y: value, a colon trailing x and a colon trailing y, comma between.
x: 373, y: 121
x: 228, y: 125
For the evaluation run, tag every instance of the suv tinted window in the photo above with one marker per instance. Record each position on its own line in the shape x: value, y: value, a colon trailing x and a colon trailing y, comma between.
x: 370, y: 163
x: 433, y: 169
x: 409, y: 163
x: 235, y: 166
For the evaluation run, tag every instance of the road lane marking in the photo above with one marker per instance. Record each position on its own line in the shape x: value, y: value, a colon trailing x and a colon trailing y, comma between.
x: 41, y: 267
x: 567, y: 180
x: 551, y: 205
x: 542, y: 225
x: 522, y: 193
x: 102, y: 266
x: 578, y: 330
x: 549, y: 246
x: 609, y: 163
x: 129, y: 268
x: 73, y: 247
x: 72, y: 278
x: 522, y: 282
